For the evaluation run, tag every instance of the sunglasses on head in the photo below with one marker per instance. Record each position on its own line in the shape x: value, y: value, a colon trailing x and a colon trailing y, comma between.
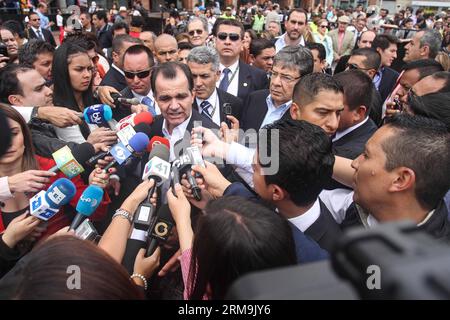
x: 198, y: 31
x: 140, y: 74
x: 233, y: 36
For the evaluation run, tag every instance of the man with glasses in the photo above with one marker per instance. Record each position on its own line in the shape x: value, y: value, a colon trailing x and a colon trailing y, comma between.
x: 197, y: 29
x: 166, y: 48
x: 295, y: 29
x: 36, y: 32
x: 266, y: 106
x: 368, y: 61
x: 236, y: 78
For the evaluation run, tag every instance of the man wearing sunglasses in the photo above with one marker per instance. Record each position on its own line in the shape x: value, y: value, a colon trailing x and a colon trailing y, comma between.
x: 197, y: 29
x: 237, y: 77
x: 166, y: 48
x: 36, y: 32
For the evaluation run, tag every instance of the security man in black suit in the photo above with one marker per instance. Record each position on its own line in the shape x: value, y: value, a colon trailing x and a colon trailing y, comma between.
x: 212, y: 103
x: 104, y: 34
x: 266, y: 106
x: 237, y: 77
x: 36, y: 32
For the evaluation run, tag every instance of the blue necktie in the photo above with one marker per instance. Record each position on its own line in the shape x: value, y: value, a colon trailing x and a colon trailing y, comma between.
x: 225, y: 81
x: 150, y: 104
x: 205, y: 106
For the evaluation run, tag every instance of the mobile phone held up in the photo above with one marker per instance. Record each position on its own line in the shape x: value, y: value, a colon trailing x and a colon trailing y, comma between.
x: 3, y: 49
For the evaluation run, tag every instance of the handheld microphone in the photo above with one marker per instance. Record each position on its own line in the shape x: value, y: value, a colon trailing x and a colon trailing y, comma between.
x: 45, y: 204
x: 127, y: 132
x: 119, y: 100
x: 134, y: 119
x: 121, y: 153
x: 98, y: 114
x: 158, y: 140
x: 89, y: 201
x: 192, y: 156
x: 160, y: 230
x: 69, y: 161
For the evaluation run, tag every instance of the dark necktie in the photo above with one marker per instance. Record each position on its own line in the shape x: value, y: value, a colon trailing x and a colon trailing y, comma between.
x: 225, y: 80
x: 40, y: 34
x: 205, y: 105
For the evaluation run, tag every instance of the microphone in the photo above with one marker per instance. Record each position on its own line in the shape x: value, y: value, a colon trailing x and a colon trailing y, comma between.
x: 45, y: 204
x: 119, y: 100
x: 127, y: 132
x: 158, y: 140
x: 89, y: 201
x: 69, y: 161
x: 159, y: 232
x: 121, y: 153
x: 134, y: 119
x: 98, y: 114
x: 192, y: 156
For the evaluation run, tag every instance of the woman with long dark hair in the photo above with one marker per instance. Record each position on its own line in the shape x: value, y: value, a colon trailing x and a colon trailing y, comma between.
x: 72, y: 77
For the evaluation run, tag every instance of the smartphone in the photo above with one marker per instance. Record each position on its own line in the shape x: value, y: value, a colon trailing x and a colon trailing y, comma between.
x: 3, y: 49
x: 228, y: 111
x: 397, y: 104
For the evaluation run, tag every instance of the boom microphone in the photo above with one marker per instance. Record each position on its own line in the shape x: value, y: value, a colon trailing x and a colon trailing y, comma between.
x: 45, y: 204
x: 89, y: 201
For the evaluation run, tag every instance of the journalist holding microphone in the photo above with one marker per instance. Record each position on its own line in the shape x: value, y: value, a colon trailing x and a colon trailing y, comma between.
x: 26, y: 174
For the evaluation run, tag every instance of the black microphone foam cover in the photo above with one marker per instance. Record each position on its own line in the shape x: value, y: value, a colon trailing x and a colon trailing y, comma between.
x: 83, y: 152
x: 160, y: 151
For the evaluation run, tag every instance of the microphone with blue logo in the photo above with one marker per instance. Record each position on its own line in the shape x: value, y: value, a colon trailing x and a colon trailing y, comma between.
x: 45, y: 204
x: 138, y: 143
x: 99, y: 114
x: 89, y: 201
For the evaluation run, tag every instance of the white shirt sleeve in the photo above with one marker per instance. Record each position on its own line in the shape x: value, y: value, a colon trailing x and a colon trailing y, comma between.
x: 337, y: 201
x: 241, y: 157
x: 70, y: 134
x: 25, y: 112
x: 5, y: 193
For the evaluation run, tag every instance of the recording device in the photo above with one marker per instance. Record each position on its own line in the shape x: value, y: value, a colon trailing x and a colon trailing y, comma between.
x: 397, y: 104
x: 192, y: 156
x: 98, y: 114
x: 45, y: 204
x: 228, y: 111
x: 86, y: 231
x: 158, y: 167
x: 134, y: 119
x: 89, y: 201
x: 160, y: 229
x: 138, y: 143
x: 118, y: 100
x: 3, y: 49
x: 69, y: 161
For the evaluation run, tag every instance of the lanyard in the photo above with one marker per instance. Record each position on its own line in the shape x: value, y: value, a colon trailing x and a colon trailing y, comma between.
x: 233, y: 75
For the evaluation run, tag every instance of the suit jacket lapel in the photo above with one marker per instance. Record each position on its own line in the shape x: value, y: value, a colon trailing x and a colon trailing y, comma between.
x: 244, y: 79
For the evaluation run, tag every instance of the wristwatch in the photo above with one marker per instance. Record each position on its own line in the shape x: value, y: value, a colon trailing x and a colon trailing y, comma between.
x: 123, y: 213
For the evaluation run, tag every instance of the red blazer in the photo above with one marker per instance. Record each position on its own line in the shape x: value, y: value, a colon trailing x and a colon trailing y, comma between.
x: 61, y: 220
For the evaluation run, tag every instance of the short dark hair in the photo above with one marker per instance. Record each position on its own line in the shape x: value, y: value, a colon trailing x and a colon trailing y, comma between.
x: 29, y: 52
x: 356, y: 85
x: 138, y: 49
x: 425, y: 67
x: 373, y: 58
x: 228, y: 22
x: 320, y: 49
x: 32, y: 13
x: 429, y: 138
x: 258, y: 45
x: 383, y: 41
x: 386, y: 10
x: 185, y: 46
x: 443, y: 75
x: 9, y: 81
x: 310, y: 85
x: 433, y: 105
x: 234, y: 237
x: 86, y: 41
x: 16, y: 26
x: 119, y: 40
x: 44, y: 273
x: 101, y: 15
x: 298, y: 10
x: 169, y: 71
x: 305, y: 159
x: 120, y: 25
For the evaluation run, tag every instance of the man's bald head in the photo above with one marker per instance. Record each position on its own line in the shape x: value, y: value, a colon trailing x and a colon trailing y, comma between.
x: 166, y: 48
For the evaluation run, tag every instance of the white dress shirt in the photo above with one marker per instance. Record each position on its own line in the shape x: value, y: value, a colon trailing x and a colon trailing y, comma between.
x: 233, y: 87
x: 37, y: 34
x: 281, y: 42
x: 305, y: 220
x: 177, y: 134
x: 340, y: 134
x: 214, y: 110
x: 5, y: 193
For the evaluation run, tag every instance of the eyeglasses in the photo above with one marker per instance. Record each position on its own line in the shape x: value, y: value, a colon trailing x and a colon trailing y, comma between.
x: 233, y: 36
x: 38, y: 19
x: 193, y: 32
x: 323, y: 26
x: 283, y: 77
x: 353, y: 66
x: 140, y: 74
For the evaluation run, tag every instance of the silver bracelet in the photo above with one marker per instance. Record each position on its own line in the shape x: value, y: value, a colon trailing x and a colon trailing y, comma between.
x: 123, y: 214
x: 140, y: 276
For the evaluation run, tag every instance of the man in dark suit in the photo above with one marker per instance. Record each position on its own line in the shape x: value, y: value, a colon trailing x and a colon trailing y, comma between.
x: 104, y: 34
x: 212, y: 103
x: 266, y: 106
x: 237, y: 77
x: 115, y: 77
x: 385, y: 79
x: 36, y: 32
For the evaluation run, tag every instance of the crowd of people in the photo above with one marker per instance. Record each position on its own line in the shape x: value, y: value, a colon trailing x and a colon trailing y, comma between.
x: 310, y: 122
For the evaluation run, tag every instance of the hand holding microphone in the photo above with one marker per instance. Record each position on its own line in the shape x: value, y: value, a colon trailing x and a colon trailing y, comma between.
x: 19, y: 228
x: 89, y: 201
